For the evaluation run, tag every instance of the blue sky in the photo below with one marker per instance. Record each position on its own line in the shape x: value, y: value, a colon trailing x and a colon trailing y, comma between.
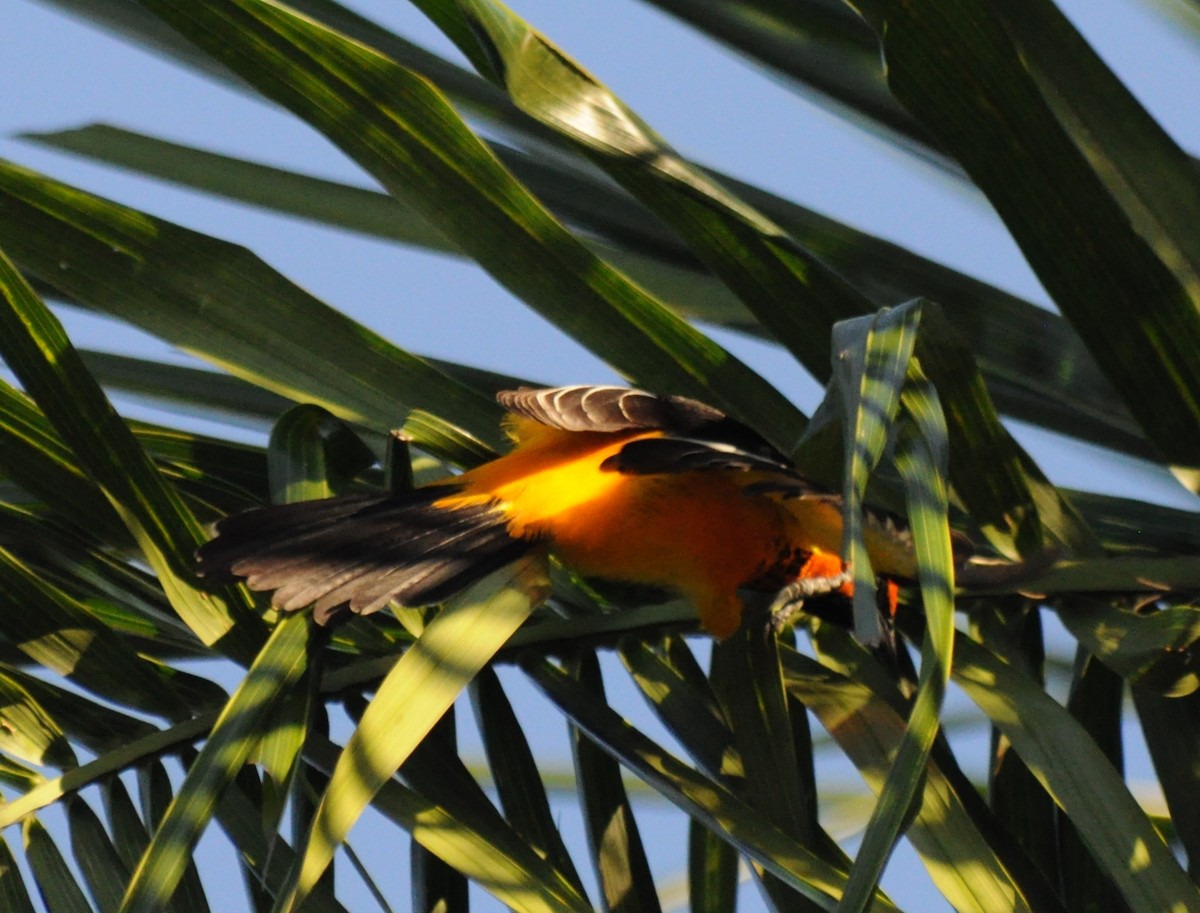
x: 715, y: 108
x: 707, y: 102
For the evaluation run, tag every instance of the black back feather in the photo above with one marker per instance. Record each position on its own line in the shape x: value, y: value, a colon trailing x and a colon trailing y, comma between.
x: 650, y: 456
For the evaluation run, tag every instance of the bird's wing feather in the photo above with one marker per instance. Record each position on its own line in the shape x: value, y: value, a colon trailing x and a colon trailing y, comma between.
x: 606, y: 409
x: 620, y: 409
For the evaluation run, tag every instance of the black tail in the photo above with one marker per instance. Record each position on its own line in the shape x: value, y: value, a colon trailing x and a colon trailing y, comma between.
x: 360, y: 551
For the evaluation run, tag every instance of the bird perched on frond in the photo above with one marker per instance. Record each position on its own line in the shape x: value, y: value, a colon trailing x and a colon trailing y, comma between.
x: 617, y: 484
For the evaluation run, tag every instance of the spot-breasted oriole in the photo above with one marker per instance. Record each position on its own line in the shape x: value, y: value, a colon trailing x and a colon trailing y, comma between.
x: 618, y: 484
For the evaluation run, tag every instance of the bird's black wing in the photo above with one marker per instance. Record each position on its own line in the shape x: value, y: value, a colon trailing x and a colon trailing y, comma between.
x: 360, y: 551
x: 656, y: 455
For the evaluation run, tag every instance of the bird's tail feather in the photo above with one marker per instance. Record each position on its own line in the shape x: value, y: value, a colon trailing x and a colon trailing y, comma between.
x: 361, y: 551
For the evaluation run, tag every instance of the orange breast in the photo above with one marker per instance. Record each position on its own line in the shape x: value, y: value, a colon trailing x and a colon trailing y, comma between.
x: 694, y: 533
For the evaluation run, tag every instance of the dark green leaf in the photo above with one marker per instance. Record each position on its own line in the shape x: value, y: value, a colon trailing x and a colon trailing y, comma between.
x: 1013, y: 341
x: 219, y: 301
x: 613, y: 835
x: 103, y: 870
x: 1007, y: 495
x: 1102, y: 202
x: 1172, y: 728
x: 13, y: 894
x: 671, y: 680
x: 313, y: 455
x: 238, y: 815
x: 1154, y: 649
x: 1075, y: 772
x: 515, y: 772
x: 193, y: 390
x: 36, y: 458
x: 712, y: 871
x: 1012, y: 629
x: 58, y: 632
x: 789, y: 291
x: 35, y: 347
x: 748, y: 679
x: 130, y: 837
x: 55, y: 882
x: 1095, y: 701
x: 118, y: 595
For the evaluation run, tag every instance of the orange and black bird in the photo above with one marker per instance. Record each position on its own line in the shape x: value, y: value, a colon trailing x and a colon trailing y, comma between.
x: 617, y: 484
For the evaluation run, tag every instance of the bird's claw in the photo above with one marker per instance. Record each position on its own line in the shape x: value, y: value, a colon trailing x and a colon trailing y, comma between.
x: 789, y: 602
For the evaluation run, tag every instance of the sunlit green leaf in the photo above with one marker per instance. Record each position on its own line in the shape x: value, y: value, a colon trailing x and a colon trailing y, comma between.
x: 413, y: 697
x: 115, y: 761
x: 27, y: 730
x: 495, y: 858
x: 280, y: 663
x: 700, y: 797
x: 863, y: 712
